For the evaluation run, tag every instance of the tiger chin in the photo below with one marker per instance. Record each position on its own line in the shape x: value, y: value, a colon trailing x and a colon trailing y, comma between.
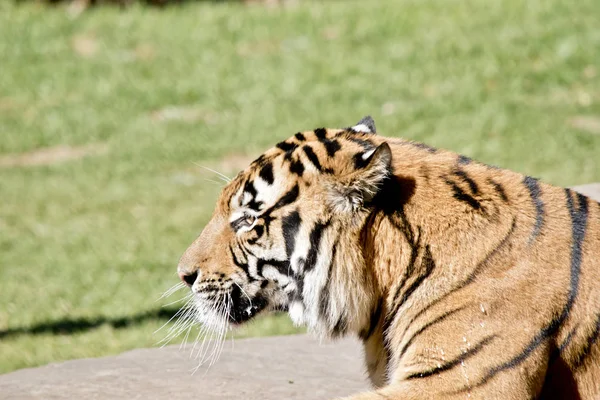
x: 461, y: 279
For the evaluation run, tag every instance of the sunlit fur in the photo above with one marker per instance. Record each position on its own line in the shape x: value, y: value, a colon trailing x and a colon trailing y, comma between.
x: 462, y: 280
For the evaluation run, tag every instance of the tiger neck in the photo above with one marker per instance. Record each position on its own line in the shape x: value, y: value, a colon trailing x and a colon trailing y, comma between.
x: 398, y: 259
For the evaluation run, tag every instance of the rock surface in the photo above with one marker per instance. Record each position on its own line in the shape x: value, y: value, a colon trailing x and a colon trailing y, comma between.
x: 286, y: 367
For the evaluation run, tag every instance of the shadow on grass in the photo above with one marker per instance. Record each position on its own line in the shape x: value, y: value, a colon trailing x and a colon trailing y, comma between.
x: 69, y: 326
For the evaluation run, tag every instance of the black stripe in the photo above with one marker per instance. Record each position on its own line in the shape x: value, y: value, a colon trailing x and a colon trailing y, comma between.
x: 237, y: 261
x: 315, y: 241
x: 241, y: 248
x: 568, y: 339
x: 261, y: 160
x: 324, y: 294
x: 466, y: 178
x: 249, y: 188
x: 427, y: 326
x: 286, y: 146
x: 331, y: 146
x: 453, y: 363
x: 283, y: 266
x: 340, y: 326
x: 288, y: 154
x: 424, y: 146
x: 290, y: 225
x: 464, y: 160
x: 255, y: 205
x: 427, y: 263
x: 373, y: 321
x: 591, y: 340
x: 312, y: 157
x: 285, y: 200
x: 259, y: 230
x: 296, y: 167
x: 472, y: 276
x: 537, y: 340
x: 242, y: 265
x: 267, y: 219
x: 300, y: 136
x: 558, y: 351
x: 499, y: 189
x: 481, y: 266
x: 407, y: 230
x: 579, y: 223
x: 359, y: 161
x: 579, y: 220
x: 460, y: 195
x: 321, y: 133
x: 297, y: 295
x: 266, y: 173
x: 365, y: 144
x: 429, y: 266
x: 535, y: 192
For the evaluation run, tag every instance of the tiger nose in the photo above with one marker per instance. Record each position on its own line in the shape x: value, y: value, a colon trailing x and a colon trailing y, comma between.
x: 188, y: 272
x: 190, y: 263
x: 188, y: 277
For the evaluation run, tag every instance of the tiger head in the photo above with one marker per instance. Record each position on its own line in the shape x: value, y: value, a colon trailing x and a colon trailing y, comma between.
x: 288, y: 234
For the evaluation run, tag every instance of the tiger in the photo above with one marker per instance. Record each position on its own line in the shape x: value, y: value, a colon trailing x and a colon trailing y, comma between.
x: 462, y: 280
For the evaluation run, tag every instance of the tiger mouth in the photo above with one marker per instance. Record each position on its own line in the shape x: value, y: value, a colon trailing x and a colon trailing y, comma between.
x: 244, y: 308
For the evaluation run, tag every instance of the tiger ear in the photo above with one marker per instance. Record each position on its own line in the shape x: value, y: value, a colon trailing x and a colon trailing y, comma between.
x: 353, y: 191
x: 365, y: 125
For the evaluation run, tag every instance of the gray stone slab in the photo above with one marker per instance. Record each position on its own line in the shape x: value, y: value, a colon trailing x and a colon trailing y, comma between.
x: 286, y: 367
x: 591, y: 190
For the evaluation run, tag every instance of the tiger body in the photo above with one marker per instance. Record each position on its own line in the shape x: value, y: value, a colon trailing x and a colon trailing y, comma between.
x: 462, y: 280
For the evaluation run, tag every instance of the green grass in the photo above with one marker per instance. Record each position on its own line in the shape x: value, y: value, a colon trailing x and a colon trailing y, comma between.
x: 88, y: 245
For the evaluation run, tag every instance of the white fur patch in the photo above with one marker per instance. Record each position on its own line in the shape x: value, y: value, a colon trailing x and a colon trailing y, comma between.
x: 368, y: 154
x: 314, y: 283
x: 296, y: 312
x: 361, y: 128
x: 214, y: 318
x: 272, y: 274
x: 266, y: 193
x: 235, y: 199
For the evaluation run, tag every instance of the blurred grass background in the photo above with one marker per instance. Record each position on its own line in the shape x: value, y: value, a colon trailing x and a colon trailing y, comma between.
x: 104, y: 115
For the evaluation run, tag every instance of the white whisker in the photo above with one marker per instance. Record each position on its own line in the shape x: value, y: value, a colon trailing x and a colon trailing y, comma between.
x: 182, y: 323
x: 173, y: 289
x: 183, y: 309
x: 223, y: 176
x: 213, y: 181
x: 173, y: 302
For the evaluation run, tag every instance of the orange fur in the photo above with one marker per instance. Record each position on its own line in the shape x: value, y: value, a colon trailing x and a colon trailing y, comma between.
x: 463, y: 280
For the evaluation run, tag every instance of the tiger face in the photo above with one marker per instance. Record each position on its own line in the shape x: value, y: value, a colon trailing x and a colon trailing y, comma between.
x: 273, y: 240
